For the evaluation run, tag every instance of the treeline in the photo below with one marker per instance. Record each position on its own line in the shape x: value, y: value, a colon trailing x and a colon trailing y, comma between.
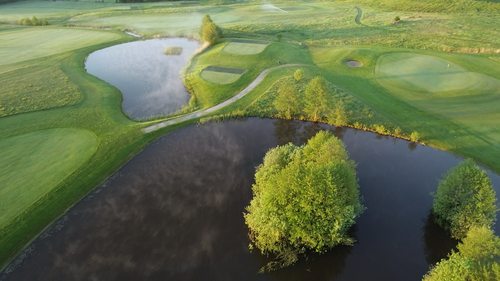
x: 303, y: 97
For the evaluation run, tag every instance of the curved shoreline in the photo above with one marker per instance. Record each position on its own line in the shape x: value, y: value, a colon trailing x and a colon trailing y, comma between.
x: 204, y: 112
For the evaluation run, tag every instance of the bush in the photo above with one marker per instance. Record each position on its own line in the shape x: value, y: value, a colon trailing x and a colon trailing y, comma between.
x: 414, y: 136
x: 477, y: 259
x: 298, y: 74
x: 464, y: 198
x: 34, y: 21
x: 305, y: 198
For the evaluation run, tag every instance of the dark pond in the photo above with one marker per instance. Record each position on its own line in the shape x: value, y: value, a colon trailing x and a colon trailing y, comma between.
x: 175, y: 212
x: 149, y: 80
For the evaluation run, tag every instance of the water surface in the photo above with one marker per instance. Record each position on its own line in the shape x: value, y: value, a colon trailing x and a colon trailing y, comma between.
x: 174, y: 212
x: 149, y: 80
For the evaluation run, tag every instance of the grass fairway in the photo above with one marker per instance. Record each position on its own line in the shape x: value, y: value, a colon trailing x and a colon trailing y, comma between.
x: 23, y: 44
x: 221, y: 75
x: 415, y: 72
x: 244, y: 47
x: 33, y: 164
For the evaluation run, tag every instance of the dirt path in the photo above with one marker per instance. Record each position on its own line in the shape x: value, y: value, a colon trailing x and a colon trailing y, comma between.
x: 359, y: 15
x: 204, y: 112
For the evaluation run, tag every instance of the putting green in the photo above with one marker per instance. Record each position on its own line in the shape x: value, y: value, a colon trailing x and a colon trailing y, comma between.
x: 241, y: 47
x: 35, y: 42
x: 221, y: 75
x: 414, y: 72
x: 33, y: 164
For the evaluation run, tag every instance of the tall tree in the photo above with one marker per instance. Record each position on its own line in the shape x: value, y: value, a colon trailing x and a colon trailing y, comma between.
x: 316, y: 105
x: 287, y: 101
x: 209, y: 31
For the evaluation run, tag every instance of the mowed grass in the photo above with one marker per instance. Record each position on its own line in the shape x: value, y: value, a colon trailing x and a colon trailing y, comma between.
x: 415, y: 72
x: 245, y: 48
x: 465, y: 121
x: 35, y: 88
x: 23, y: 44
x: 32, y: 164
x: 221, y: 75
x: 77, y: 167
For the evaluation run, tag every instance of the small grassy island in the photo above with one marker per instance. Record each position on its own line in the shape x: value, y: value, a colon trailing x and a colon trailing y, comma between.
x: 305, y: 199
x: 173, y: 51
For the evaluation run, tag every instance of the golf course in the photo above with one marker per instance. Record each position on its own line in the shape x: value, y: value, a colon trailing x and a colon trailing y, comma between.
x: 101, y: 85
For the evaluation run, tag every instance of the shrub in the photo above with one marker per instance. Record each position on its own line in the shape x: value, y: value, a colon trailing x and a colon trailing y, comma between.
x: 477, y: 259
x: 305, y: 198
x: 414, y: 136
x: 464, y: 198
x: 397, y: 19
x: 298, y: 74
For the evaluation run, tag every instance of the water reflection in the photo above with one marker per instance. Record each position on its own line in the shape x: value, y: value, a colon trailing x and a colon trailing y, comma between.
x: 437, y: 241
x: 149, y: 80
x: 174, y: 212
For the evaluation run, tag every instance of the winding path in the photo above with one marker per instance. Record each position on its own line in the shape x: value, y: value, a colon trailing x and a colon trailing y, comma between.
x: 204, y: 112
x: 359, y: 15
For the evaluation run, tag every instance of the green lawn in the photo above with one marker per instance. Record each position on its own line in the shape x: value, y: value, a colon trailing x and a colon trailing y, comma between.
x: 221, y: 75
x: 23, y: 44
x: 32, y: 164
x: 245, y: 48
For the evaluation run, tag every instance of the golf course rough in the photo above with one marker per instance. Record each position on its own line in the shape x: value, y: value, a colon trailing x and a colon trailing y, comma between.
x: 415, y: 72
x: 245, y: 47
x: 18, y: 45
x: 33, y: 164
x: 221, y: 75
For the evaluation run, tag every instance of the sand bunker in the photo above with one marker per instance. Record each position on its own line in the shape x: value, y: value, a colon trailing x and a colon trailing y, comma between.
x: 353, y: 63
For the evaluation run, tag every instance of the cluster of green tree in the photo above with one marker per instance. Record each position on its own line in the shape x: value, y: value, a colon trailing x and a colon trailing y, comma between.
x: 465, y: 205
x: 34, y: 21
x: 477, y: 259
x: 305, y: 199
x: 209, y: 31
x: 464, y: 198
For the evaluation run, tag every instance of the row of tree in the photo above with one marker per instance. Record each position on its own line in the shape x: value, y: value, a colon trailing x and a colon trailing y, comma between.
x: 316, y: 106
x: 33, y: 21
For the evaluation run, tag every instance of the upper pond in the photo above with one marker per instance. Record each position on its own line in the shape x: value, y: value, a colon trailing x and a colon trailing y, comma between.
x: 174, y: 212
x: 149, y: 80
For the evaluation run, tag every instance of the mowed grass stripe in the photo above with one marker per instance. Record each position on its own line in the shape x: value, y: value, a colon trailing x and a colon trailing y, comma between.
x: 243, y: 47
x: 32, y: 164
x: 35, y: 42
x: 221, y: 75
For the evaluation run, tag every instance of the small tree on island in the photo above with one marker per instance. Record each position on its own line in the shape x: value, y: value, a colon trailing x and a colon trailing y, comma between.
x: 287, y: 100
x: 316, y: 104
x: 209, y: 31
x: 305, y: 199
x: 464, y: 198
x: 477, y: 259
